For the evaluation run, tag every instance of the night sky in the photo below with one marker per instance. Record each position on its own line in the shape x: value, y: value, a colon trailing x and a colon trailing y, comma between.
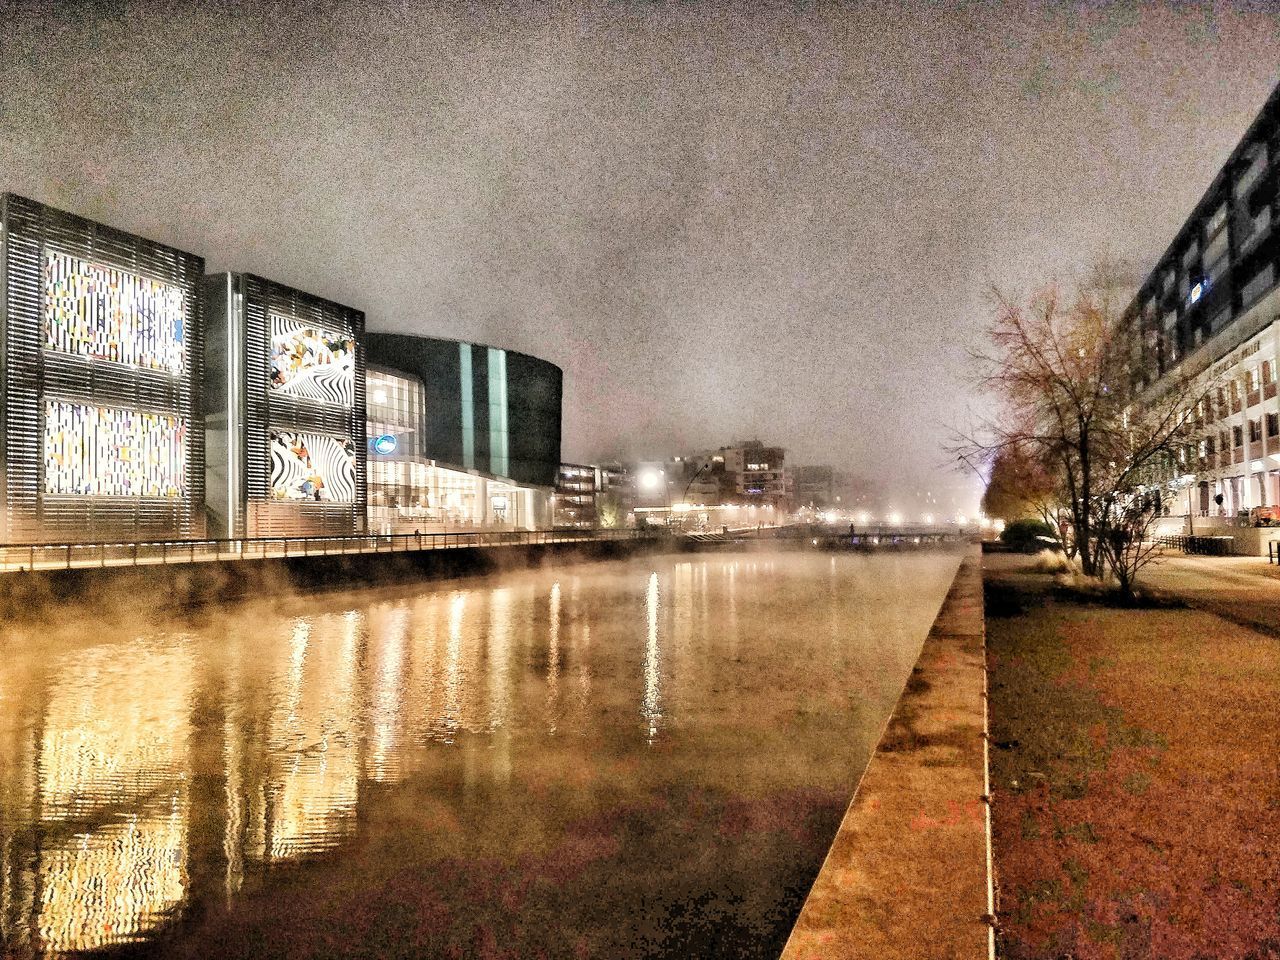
x: 764, y: 221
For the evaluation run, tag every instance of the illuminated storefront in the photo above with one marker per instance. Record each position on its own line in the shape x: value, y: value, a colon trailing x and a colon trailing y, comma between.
x: 410, y: 492
x: 285, y: 411
x: 100, y: 368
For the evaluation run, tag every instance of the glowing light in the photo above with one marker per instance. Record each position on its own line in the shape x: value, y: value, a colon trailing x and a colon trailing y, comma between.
x: 379, y: 396
x: 385, y: 444
x: 895, y: 518
x: 650, y: 479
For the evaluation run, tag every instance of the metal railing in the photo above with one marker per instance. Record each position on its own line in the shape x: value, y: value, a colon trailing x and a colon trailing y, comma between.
x: 68, y: 556
x: 1203, y: 546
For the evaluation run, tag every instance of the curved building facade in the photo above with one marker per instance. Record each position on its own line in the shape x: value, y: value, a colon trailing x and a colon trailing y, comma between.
x: 487, y: 409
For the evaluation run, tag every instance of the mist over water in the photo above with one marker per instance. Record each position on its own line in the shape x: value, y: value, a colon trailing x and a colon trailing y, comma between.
x: 642, y: 758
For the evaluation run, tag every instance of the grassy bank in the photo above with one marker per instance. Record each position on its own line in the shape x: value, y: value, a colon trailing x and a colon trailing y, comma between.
x: 1135, y: 776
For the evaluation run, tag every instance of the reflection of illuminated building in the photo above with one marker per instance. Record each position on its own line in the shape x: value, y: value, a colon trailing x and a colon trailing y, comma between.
x: 113, y: 795
x: 99, y: 365
x: 293, y: 774
x: 284, y: 401
x: 409, y: 492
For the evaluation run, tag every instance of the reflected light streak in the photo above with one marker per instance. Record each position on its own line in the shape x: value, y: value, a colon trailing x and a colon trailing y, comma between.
x: 113, y: 768
x: 553, y: 657
x: 652, y: 693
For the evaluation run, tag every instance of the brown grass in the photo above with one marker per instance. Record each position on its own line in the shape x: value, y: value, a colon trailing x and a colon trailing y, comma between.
x: 1136, y: 777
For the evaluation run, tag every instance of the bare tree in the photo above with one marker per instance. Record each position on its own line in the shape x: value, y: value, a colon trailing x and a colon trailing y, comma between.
x: 1067, y: 370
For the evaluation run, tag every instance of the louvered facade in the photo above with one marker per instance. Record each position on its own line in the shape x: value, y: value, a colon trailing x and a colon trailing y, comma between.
x: 101, y: 347
x: 285, y: 411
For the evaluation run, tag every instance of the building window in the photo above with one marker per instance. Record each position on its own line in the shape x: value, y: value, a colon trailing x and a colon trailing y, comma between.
x: 1237, y: 434
x: 1273, y: 424
x: 1235, y: 392
x: 1255, y: 431
x: 1210, y: 446
x: 1251, y: 380
x: 1226, y: 441
x: 1262, y: 281
x: 1217, y: 220
x: 1257, y: 158
x: 1267, y: 374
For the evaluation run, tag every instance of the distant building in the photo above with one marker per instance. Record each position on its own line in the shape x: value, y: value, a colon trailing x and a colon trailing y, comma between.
x: 760, y: 472
x: 577, y: 485
x: 815, y: 487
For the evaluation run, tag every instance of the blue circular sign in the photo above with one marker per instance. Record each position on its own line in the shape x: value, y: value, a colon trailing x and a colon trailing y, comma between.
x: 385, y: 444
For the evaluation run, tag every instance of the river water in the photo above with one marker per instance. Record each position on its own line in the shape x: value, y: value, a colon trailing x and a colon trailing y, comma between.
x: 642, y: 758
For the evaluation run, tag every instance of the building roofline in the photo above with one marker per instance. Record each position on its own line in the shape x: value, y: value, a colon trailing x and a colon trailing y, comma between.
x: 1200, y: 209
x: 473, y: 343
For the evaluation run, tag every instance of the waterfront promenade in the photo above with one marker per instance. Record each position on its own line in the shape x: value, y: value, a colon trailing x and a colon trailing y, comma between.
x: 97, y: 555
x: 1244, y: 590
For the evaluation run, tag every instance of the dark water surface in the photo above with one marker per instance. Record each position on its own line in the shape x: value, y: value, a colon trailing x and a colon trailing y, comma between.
x: 641, y: 758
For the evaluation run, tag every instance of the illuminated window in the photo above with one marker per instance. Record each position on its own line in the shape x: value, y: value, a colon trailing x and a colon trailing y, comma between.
x: 108, y: 314
x: 312, y: 364
x: 109, y: 452
x: 306, y: 466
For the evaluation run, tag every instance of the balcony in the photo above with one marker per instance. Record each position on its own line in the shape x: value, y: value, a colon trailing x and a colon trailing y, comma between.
x: 1259, y: 227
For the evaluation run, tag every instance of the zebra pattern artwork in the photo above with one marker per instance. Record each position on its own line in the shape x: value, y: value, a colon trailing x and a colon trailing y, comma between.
x: 312, y: 364
x: 311, y: 466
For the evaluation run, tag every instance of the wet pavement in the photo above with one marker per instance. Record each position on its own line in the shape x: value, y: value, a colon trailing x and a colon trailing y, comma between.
x: 643, y: 758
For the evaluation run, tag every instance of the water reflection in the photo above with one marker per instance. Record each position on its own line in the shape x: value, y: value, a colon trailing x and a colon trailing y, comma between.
x: 481, y: 737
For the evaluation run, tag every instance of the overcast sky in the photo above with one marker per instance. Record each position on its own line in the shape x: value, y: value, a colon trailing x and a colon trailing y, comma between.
x: 721, y: 222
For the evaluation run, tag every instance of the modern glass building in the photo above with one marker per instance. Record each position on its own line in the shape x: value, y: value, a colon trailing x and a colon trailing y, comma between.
x: 285, y: 411
x: 1209, y: 310
x: 410, y: 492
x: 101, y: 435
x: 491, y: 410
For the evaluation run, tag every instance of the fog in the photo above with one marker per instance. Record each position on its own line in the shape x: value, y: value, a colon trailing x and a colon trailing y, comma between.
x: 722, y: 221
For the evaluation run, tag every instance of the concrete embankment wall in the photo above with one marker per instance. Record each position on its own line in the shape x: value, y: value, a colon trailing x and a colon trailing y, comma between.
x: 181, y: 586
x: 908, y: 874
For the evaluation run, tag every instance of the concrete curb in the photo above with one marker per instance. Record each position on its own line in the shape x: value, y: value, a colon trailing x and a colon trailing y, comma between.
x: 909, y: 871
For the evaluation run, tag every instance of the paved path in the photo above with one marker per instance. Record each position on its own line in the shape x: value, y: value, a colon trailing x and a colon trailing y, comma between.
x: 907, y: 875
x: 1244, y: 590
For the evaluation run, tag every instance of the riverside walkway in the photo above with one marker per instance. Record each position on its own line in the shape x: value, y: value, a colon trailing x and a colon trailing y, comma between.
x: 15, y: 558
x: 1244, y: 590
x: 74, y: 556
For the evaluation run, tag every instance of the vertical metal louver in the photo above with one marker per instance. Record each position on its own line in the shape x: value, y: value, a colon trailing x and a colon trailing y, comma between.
x: 267, y: 410
x: 36, y: 374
